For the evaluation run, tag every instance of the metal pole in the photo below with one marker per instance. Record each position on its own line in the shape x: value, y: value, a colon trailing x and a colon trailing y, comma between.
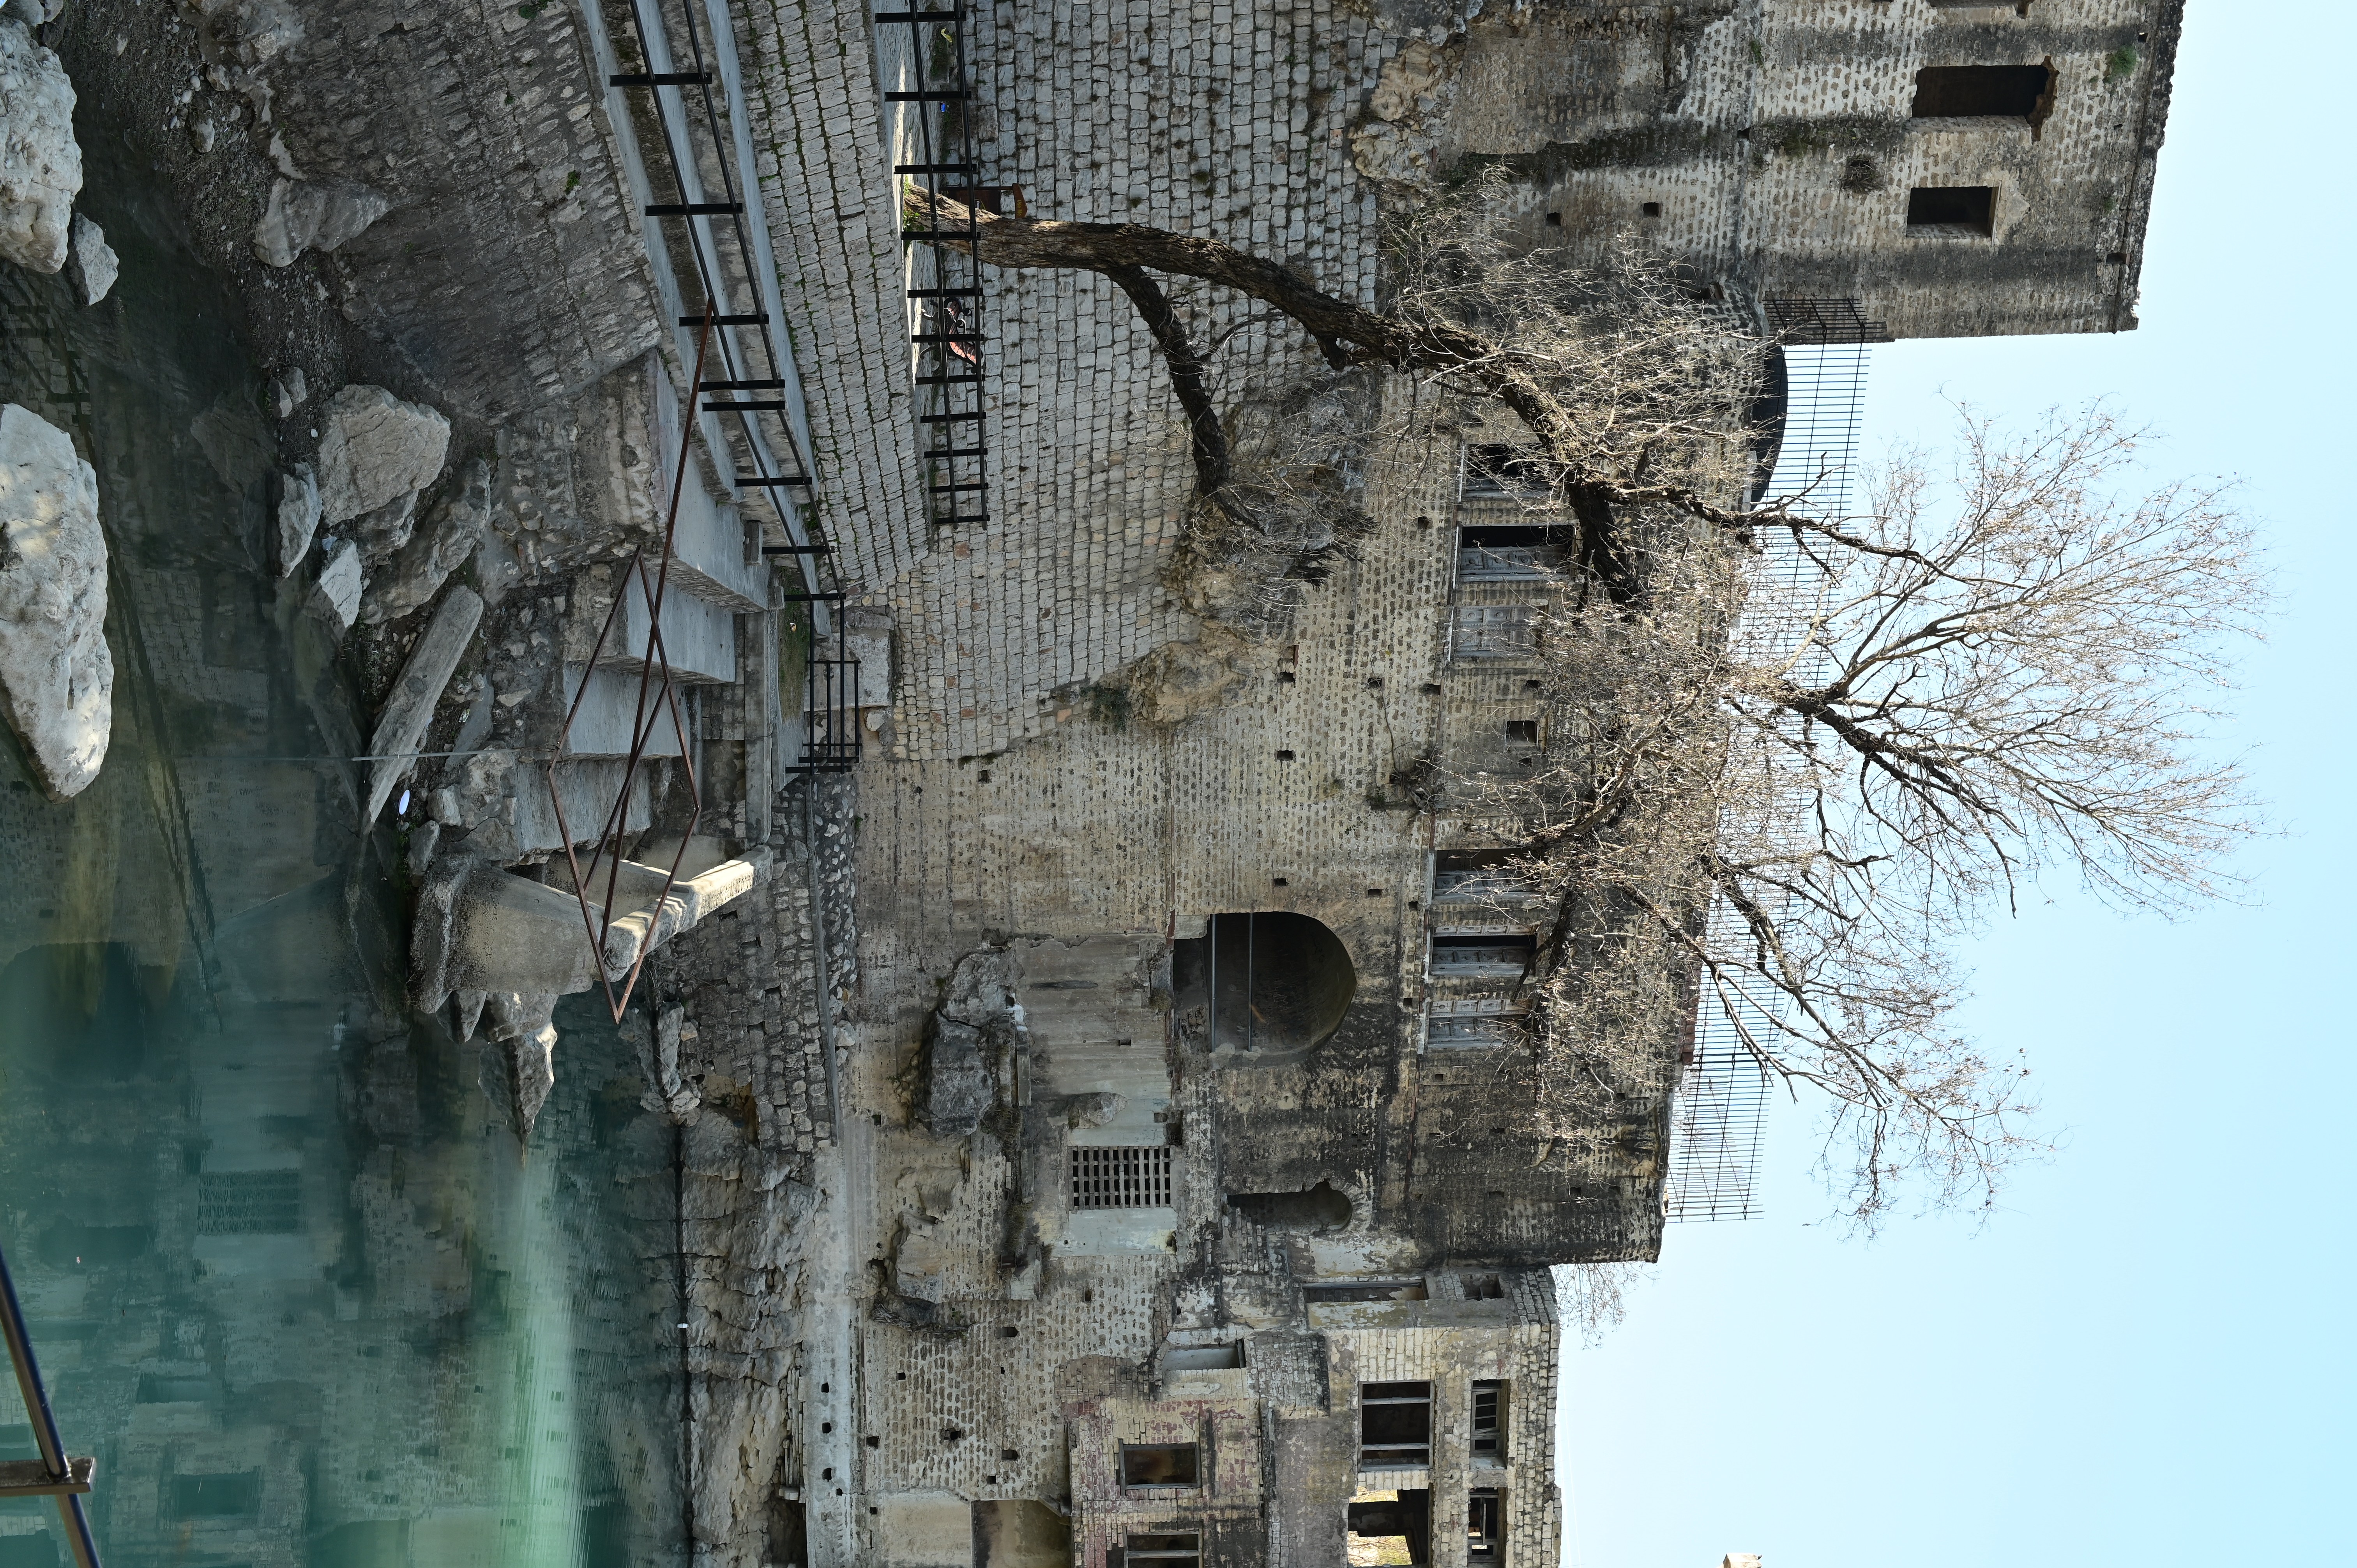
x: 1213, y: 1026
x: 1251, y: 1018
x: 44, y: 1425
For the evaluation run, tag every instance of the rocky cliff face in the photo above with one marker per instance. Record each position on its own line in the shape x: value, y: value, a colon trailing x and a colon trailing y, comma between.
x: 57, y: 678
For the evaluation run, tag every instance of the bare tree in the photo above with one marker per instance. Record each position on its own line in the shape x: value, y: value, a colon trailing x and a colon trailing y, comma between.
x: 1981, y: 683
x: 1782, y: 805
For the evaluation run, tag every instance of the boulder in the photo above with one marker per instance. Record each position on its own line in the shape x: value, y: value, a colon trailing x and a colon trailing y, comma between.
x: 57, y: 678
x: 339, y: 592
x: 409, y: 707
x: 418, y: 568
x: 299, y: 516
x: 94, y: 262
x: 301, y: 216
x: 374, y: 449
x: 40, y: 162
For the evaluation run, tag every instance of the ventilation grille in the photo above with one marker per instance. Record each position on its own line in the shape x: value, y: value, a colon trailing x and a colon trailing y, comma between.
x: 249, y: 1203
x: 1121, y: 1178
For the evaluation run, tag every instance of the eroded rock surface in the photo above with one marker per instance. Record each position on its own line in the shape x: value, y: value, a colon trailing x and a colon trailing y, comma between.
x: 419, y: 566
x: 375, y: 449
x: 40, y: 162
x: 57, y: 678
x: 304, y: 216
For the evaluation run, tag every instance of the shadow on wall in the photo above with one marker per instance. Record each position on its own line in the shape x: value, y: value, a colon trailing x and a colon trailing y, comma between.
x: 1318, y: 1208
x: 1272, y: 986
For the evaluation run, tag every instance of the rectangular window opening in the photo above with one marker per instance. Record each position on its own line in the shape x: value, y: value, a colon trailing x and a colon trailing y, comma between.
x: 1490, y: 1419
x: 1203, y: 1357
x: 1168, y: 1550
x: 1493, y: 631
x: 1523, y: 732
x: 1131, y: 1177
x: 1952, y: 210
x: 1487, y: 957
x: 1983, y: 91
x: 1480, y: 1032
x: 1364, y: 1291
x: 1159, y: 1463
x: 1394, y: 1425
x: 1501, y: 469
x: 1511, y: 553
x: 1485, y: 1526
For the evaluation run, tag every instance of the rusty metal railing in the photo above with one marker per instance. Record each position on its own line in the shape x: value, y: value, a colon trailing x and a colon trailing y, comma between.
x: 657, y: 698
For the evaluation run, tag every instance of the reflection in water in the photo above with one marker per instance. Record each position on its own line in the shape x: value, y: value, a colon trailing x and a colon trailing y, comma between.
x: 291, y: 1277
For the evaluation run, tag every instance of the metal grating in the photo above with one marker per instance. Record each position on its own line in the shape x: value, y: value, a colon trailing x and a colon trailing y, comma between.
x: 249, y: 1203
x: 934, y: 154
x: 1720, y: 1119
x: 1122, y: 1178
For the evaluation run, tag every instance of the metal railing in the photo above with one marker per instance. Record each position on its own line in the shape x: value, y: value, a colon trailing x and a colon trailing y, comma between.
x: 933, y: 151
x: 55, y: 1474
x: 1718, y: 1126
x: 697, y: 112
x: 658, y: 700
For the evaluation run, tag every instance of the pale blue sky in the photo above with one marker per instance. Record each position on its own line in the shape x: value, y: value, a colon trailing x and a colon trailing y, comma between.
x: 2146, y: 1358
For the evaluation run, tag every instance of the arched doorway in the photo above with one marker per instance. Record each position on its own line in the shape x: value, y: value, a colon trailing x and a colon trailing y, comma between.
x: 1270, y: 983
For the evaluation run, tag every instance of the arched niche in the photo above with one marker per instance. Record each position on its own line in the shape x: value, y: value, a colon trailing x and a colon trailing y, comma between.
x: 1269, y: 985
x: 1319, y: 1208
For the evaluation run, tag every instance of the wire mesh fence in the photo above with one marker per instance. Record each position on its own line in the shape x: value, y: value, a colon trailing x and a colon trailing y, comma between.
x: 1719, y: 1124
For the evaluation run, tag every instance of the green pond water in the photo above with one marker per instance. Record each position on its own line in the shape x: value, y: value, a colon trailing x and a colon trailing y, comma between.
x: 291, y: 1277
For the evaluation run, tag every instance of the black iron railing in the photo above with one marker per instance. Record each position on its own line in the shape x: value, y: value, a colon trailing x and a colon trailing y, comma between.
x: 935, y: 157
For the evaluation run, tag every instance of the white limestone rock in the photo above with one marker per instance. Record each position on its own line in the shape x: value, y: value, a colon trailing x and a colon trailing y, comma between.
x: 302, y: 216
x: 94, y: 262
x: 341, y: 581
x: 299, y: 516
x: 289, y: 390
x: 57, y: 678
x: 375, y: 449
x: 40, y: 162
x: 409, y: 707
x: 419, y: 567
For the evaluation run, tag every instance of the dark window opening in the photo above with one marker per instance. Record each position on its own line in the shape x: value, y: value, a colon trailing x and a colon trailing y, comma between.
x: 1169, y: 1550
x: 1264, y: 982
x: 1952, y: 208
x: 1394, y: 1425
x: 1554, y: 220
x: 1485, y: 1526
x: 1485, y: 1287
x: 1511, y: 553
x: 1469, y: 876
x: 1408, y: 1515
x: 1501, y: 469
x: 1158, y: 1463
x: 1490, y: 1421
x: 1364, y: 1291
x: 1319, y: 1208
x: 1983, y: 92
x: 1524, y: 730
x: 1652, y: 209
x: 1489, y: 957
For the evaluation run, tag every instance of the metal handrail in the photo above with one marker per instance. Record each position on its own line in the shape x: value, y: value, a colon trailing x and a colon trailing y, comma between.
x: 62, y: 1476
